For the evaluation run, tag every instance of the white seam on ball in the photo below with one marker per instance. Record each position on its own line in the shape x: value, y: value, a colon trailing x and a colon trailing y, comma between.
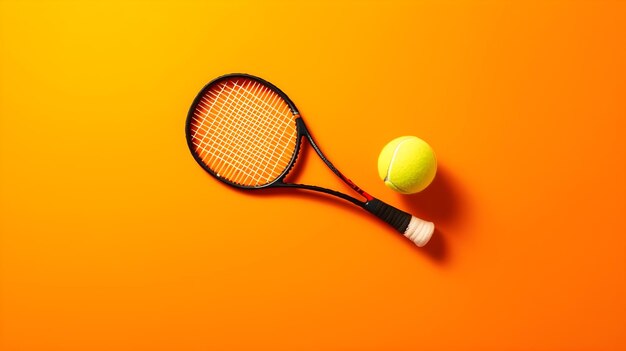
x: 395, y: 152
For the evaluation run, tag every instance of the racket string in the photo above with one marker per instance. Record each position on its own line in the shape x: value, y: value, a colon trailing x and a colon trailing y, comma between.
x: 275, y: 129
x: 245, y: 146
x: 244, y: 131
x: 259, y: 152
x: 236, y: 138
x: 220, y: 157
x: 225, y: 168
x: 246, y: 127
x: 269, y: 156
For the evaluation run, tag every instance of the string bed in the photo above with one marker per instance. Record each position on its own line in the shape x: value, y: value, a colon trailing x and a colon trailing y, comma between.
x: 243, y: 131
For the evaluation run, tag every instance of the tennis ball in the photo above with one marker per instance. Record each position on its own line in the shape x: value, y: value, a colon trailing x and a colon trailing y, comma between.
x: 407, y: 164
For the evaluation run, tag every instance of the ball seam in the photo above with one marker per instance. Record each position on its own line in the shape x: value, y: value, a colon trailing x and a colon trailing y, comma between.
x: 393, y: 157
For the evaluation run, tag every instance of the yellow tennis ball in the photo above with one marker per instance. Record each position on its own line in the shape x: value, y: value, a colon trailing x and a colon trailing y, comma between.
x: 407, y: 164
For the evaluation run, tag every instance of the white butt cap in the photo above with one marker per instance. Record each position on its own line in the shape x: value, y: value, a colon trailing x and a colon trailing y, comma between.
x: 419, y: 231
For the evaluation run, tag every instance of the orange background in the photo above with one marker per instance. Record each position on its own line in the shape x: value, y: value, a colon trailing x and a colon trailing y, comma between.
x: 113, y: 238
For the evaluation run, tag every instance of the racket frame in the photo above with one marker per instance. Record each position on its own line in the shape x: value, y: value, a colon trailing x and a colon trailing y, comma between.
x: 413, y: 228
x: 301, y: 132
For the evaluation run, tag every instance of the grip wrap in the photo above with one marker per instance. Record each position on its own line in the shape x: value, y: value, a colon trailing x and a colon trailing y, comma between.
x: 393, y: 216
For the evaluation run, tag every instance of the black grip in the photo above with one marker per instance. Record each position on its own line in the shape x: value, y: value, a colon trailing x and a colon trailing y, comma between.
x: 396, y: 218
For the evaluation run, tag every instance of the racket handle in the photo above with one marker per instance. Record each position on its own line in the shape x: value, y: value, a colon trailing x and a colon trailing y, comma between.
x: 415, y: 229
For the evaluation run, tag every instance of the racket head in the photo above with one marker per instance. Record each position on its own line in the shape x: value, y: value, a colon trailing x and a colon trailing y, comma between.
x: 242, y: 130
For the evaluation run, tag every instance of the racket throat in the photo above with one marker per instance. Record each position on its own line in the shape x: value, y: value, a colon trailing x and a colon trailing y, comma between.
x: 304, y: 131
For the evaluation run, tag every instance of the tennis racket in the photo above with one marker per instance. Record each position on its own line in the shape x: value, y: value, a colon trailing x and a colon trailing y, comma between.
x: 247, y: 133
